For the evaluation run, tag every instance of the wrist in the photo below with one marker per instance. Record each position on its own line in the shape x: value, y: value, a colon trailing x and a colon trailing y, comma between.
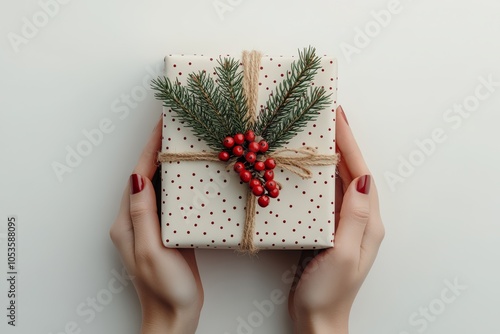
x: 168, y: 323
x: 162, y: 320
x: 322, y: 325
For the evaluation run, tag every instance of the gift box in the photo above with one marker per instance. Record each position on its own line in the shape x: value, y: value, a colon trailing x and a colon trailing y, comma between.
x: 204, y: 203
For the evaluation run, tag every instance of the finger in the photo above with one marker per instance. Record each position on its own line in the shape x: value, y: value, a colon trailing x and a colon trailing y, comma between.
x: 342, y: 170
x: 148, y: 161
x: 374, y: 232
x: 122, y: 232
x: 354, y: 216
x: 146, y: 166
x: 339, y: 196
x: 344, y: 174
x: 348, y: 147
x: 144, y: 216
x: 352, y: 165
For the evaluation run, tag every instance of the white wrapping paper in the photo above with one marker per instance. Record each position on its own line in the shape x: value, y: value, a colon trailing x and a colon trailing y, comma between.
x: 203, y: 205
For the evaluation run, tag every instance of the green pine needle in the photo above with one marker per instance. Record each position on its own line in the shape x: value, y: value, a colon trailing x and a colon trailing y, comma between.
x: 230, y: 81
x: 289, y: 93
x: 305, y: 110
x: 214, y: 109
x: 203, y: 89
x: 189, y: 110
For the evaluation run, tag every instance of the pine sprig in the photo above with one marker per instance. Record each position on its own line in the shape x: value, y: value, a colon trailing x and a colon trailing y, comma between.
x: 289, y: 92
x: 231, y: 89
x: 179, y: 99
x: 305, y: 110
x: 214, y: 109
x: 204, y: 90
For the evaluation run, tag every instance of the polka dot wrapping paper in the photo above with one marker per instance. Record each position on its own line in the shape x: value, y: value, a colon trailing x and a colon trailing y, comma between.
x: 203, y: 204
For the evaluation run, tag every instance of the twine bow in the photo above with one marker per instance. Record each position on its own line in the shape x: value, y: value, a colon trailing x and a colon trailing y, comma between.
x: 296, y: 161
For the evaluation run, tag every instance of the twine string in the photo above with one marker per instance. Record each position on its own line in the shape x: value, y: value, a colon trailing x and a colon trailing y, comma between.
x: 251, y: 68
x: 298, y: 162
x: 247, y: 244
x: 186, y: 156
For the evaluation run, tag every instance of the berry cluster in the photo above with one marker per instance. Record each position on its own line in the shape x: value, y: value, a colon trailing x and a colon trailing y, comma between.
x: 257, y: 173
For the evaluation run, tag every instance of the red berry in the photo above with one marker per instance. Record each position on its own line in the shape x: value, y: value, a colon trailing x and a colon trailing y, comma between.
x: 264, y: 146
x: 254, y: 183
x: 259, y: 166
x: 258, y: 190
x: 245, y: 176
x: 228, y: 142
x: 270, y: 185
x: 253, y: 147
x: 274, y: 192
x: 238, y: 151
x: 239, y: 138
x: 263, y: 201
x: 224, y: 156
x: 251, y: 157
x: 270, y: 163
x: 268, y: 175
x: 249, y: 136
x: 238, y: 167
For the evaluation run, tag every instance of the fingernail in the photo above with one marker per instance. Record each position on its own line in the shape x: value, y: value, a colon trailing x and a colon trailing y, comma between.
x: 136, y: 184
x: 343, y: 114
x: 363, y: 185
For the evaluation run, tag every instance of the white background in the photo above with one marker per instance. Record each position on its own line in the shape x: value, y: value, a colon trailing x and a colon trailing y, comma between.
x: 442, y: 221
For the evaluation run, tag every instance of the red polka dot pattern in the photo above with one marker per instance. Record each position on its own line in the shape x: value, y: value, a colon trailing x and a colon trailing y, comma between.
x: 204, y: 205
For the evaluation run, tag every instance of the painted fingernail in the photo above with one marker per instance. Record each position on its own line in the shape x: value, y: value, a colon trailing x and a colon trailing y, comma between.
x: 343, y: 114
x: 136, y: 184
x: 363, y: 185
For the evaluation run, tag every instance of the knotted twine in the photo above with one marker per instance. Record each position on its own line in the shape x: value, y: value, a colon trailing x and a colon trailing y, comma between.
x: 296, y: 161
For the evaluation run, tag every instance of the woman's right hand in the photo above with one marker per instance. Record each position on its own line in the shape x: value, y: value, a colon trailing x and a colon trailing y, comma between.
x: 324, y: 291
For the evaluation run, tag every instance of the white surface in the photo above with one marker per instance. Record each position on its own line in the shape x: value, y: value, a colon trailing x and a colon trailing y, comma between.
x: 442, y: 222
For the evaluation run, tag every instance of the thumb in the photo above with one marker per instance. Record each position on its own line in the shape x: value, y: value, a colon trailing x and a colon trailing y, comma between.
x: 354, y: 214
x: 143, y: 213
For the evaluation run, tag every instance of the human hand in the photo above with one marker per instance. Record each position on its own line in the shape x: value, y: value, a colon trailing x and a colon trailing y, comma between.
x: 167, y: 280
x: 326, y: 284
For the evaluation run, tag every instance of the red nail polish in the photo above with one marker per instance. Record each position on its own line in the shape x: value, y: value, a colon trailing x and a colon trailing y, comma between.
x: 136, y: 184
x: 363, y: 185
x: 343, y: 114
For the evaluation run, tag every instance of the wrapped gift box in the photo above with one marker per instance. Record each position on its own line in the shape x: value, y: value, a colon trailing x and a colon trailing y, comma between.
x: 203, y: 204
